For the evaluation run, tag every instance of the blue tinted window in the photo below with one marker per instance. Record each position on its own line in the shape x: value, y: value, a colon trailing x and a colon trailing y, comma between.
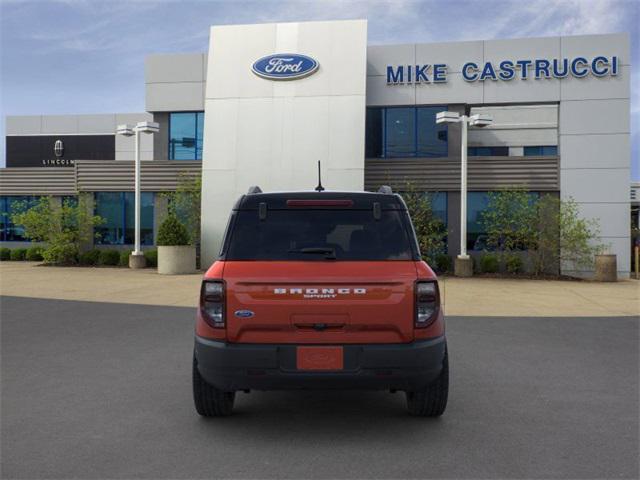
x: 439, y: 205
x: 185, y: 135
x: 405, y: 132
x: 400, y: 132
x: 432, y: 137
x: 488, y: 151
x: 541, y: 151
x: 117, y: 209
x: 9, y: 232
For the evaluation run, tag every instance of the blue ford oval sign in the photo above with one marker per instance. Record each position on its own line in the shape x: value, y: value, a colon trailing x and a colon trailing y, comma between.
x: 243, y: 313
x: 285, y: 66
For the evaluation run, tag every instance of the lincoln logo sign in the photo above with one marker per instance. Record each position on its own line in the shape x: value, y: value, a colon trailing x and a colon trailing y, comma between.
x: 505, y: 70
x: 58, y: 148
x: 285, y: 66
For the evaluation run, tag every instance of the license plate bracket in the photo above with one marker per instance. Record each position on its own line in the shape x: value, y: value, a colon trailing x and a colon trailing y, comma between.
x: 320, y: 358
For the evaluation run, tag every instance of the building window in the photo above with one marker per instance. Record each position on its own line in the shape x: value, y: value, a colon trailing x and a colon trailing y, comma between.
x: 117, y: 209
x: 185, y: 135
x: 405, y: 132
x: 8, y: 206
x: 488, y: 151
x: 477, y: 204
x: 541, y: 151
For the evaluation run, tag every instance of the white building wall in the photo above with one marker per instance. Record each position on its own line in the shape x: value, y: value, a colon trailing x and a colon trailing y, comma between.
x: 592, y: 132
x: 272, y: 133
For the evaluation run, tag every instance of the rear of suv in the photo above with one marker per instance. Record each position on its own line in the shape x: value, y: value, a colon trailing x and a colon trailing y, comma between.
x: 320, y: 290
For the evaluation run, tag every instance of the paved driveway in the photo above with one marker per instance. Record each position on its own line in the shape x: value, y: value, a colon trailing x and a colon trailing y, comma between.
x: 97, y: 390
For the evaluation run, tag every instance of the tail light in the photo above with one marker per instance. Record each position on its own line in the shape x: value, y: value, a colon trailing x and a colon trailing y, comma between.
x: 212, y: 298
x: 427, y: 303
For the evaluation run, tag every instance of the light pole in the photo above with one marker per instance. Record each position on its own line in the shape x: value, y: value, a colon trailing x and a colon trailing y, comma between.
x: 136, y: 259
x: 463, y: 264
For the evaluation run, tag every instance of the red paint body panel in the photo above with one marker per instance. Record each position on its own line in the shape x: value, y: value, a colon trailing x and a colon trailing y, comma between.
x: 369, y: 302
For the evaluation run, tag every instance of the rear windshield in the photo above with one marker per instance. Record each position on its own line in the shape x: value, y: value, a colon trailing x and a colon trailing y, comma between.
x: 319, y: 235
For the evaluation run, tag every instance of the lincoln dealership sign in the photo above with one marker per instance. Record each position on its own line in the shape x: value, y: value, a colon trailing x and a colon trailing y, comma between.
x: 285, y: 66
x: 505, y: 70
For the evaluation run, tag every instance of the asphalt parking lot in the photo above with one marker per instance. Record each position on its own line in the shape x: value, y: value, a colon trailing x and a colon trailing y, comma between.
x: 103, y: 390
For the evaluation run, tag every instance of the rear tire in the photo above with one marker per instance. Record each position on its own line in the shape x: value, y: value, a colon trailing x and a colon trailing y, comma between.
x: 432, y: 401
x: 209, y: 401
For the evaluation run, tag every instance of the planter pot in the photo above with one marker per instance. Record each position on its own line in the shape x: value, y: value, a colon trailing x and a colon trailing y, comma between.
x: 176, y: 260
x: 606, y: 268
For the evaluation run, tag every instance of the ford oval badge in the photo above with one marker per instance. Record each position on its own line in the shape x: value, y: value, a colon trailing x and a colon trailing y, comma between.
x: 285, y: 66
x: 243, y: 313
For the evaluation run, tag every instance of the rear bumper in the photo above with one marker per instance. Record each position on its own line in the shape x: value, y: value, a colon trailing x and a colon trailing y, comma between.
x: 231, y: 367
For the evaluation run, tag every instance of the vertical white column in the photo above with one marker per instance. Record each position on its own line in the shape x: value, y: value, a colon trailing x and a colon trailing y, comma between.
x: 136, y: 250
x: 463, y: 190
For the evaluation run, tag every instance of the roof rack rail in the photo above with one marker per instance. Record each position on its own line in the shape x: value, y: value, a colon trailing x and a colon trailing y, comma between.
x: 386, y: 189
x: 254, y: 189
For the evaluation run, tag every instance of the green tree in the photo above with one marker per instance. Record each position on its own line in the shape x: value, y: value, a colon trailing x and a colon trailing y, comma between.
x: 184, y: 203
x: 63, y: 227
x: 430, y: 229
x: 510, y: 220
x: 563, y: 237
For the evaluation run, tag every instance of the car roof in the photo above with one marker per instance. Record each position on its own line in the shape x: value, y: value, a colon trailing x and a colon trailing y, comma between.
x: 361, y: 200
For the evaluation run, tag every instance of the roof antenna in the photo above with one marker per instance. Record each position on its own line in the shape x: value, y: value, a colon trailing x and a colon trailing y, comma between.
x: 319, y: 188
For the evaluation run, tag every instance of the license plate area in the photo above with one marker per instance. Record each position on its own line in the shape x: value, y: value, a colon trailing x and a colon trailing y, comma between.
x: 319, y: 359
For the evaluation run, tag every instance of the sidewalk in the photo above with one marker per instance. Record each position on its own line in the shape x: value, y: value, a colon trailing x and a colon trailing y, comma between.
x: 471, y: 297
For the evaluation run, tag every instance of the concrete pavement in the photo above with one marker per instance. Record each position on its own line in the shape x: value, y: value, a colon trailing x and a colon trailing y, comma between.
x: 471, y: 297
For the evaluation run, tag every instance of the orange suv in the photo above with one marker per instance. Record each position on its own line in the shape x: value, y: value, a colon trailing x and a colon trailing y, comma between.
x: 320, y: 290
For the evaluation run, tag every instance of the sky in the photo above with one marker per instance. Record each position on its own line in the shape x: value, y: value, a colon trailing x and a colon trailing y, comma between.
x: 87, y: 56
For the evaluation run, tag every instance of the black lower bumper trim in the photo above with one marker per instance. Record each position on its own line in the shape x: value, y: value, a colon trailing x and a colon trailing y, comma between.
x: 232, y: 367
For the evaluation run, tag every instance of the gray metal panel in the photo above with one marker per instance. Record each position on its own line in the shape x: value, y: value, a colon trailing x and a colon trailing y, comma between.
x: 38, y: 181
x: 23, y: 125
x: 485, y: 173
x: 161, y: 139
x: 174, y: 68
x: 156, y: 176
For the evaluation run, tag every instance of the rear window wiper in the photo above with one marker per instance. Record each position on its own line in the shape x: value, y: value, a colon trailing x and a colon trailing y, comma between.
x: 329, y: 253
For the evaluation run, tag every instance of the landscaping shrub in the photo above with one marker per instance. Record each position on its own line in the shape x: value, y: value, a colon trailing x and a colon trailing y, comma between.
x: 124, y: 258
x: 430, y: 230
x: 34, y: 254
x: 172, y: 232
x: 5, y: 254
x: 513, y: 264
x: 18, y: 254
x: 90, y: 257
x: 61, y: 254
x: 443, y: 263
x: 152, y: 258
x: 109, y: 257
x: 489, y: 263
x: 63, y: 227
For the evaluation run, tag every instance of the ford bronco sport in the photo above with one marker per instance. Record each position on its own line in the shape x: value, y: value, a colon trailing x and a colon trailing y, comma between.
x: 320, y: 290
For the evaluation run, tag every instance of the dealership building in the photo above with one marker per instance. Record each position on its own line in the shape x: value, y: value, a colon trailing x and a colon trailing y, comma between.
x: 267, y: 101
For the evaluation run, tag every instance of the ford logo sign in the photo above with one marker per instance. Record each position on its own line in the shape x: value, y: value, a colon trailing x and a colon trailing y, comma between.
x: 243, y: 313
x: 285, y: 66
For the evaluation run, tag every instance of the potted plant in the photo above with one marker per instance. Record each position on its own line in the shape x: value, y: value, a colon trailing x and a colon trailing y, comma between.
x: 175, y: 254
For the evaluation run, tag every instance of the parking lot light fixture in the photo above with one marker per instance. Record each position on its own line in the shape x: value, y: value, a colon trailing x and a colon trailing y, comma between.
x: 136, y: 259
x: 477, y: 120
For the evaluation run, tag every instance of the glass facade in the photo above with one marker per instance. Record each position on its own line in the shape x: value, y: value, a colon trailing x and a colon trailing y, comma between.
x: 488, y: 151
x: 541, y: 151
x: 405, y: 132
x: 9, y: 232
x: 185, y: 135
x: 117, y: 209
